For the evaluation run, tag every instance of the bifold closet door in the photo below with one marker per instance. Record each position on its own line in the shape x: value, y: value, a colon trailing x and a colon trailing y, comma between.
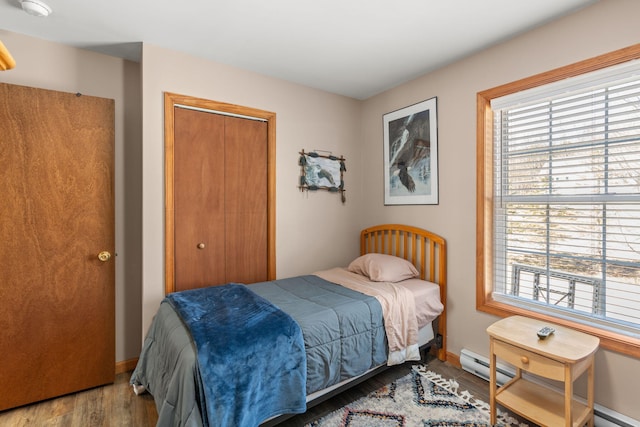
x: 246, y: 200
x: 220, y: 199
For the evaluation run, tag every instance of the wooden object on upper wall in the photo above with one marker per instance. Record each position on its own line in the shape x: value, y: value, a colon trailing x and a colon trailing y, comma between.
x: 57, y: 221
x: 6, y: 60
x: 219, y: 194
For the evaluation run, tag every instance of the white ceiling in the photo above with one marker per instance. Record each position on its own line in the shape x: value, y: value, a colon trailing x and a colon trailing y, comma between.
x: 356, y: 48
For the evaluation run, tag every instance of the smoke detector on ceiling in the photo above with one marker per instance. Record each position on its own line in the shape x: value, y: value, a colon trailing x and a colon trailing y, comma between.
x: 36, y: 7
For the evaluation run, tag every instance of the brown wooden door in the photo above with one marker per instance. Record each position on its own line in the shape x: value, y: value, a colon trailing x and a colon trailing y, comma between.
x: 246, y: 200
x: 57, y: 316
x: 220, y: 199
x: 199, y: 182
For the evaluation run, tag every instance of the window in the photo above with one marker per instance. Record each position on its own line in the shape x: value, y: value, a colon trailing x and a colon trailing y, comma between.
x: 559, y: 198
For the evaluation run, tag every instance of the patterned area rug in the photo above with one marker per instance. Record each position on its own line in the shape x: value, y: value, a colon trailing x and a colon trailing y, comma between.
x: 420, y: 399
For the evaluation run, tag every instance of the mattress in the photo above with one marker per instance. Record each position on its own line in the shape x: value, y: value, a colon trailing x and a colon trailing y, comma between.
x: 427, y: 297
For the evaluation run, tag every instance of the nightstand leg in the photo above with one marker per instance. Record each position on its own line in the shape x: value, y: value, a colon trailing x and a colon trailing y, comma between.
x: 492, y: 384
x: 568, y: 396
x: 590, y: 388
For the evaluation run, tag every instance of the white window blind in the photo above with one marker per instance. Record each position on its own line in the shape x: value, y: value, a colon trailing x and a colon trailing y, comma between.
x: 567, y: 198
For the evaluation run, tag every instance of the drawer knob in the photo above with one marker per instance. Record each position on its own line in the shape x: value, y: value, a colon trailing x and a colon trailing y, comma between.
x: 524, y: 360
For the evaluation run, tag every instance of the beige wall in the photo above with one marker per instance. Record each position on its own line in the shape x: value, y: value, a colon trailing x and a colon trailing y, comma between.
x: 54, y: 66
x: 606, y: 26
x: 313, y: 230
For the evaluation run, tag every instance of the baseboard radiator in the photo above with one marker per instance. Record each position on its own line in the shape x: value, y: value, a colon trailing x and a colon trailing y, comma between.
x: 479, y: 365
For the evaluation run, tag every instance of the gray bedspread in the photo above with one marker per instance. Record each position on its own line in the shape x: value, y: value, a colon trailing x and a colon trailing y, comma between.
x: 343, y: 332
x: 168, y: 369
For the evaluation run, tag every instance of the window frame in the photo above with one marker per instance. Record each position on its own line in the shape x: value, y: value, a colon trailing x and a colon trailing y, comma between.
x: 485, y: 302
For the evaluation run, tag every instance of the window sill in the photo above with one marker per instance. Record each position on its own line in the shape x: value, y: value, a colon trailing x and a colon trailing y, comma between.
x: 609, y: 340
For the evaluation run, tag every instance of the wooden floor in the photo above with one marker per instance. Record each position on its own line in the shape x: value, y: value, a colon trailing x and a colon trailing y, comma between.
x: 116, y: 405
x: 109, y: 406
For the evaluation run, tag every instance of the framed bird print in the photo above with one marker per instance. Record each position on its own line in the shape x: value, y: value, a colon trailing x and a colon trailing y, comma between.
x: 411, y: 155
x: 322, y: 172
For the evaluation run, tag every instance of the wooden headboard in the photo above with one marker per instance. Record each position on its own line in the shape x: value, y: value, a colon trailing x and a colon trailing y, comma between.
x: 424, y: 249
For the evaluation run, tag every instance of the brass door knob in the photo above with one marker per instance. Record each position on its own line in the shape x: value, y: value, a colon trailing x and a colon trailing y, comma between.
x: 200, y: 245
x: 104, y: 256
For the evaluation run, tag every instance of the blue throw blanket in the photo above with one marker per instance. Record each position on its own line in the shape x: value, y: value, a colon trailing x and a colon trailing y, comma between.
x: 251, y: 354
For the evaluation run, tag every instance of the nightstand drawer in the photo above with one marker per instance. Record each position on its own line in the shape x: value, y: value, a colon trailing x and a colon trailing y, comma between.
x: 529, y: 361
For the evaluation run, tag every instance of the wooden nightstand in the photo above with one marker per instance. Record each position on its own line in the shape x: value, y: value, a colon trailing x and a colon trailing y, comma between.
x: 563, y: 356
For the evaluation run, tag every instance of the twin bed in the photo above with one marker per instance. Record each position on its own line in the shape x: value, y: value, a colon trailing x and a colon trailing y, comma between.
x: 246, y: 355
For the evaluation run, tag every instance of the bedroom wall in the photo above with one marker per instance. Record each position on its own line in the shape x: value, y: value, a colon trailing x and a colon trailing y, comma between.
x: 606, y: 26
x: 313, y: 230
x: 53, y: 66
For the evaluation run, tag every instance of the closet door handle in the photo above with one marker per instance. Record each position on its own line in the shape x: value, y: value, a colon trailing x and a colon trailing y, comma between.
x: 200, y: 245
x: 104, y: 256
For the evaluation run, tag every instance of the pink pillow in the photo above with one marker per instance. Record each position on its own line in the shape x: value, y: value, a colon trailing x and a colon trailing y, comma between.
x: 383, y: 268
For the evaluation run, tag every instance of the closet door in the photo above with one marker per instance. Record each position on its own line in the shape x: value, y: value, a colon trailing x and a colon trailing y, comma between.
x: 57, y: 265
x: 220, y: 199
x: 246, y: 200
x: 199, y: 186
